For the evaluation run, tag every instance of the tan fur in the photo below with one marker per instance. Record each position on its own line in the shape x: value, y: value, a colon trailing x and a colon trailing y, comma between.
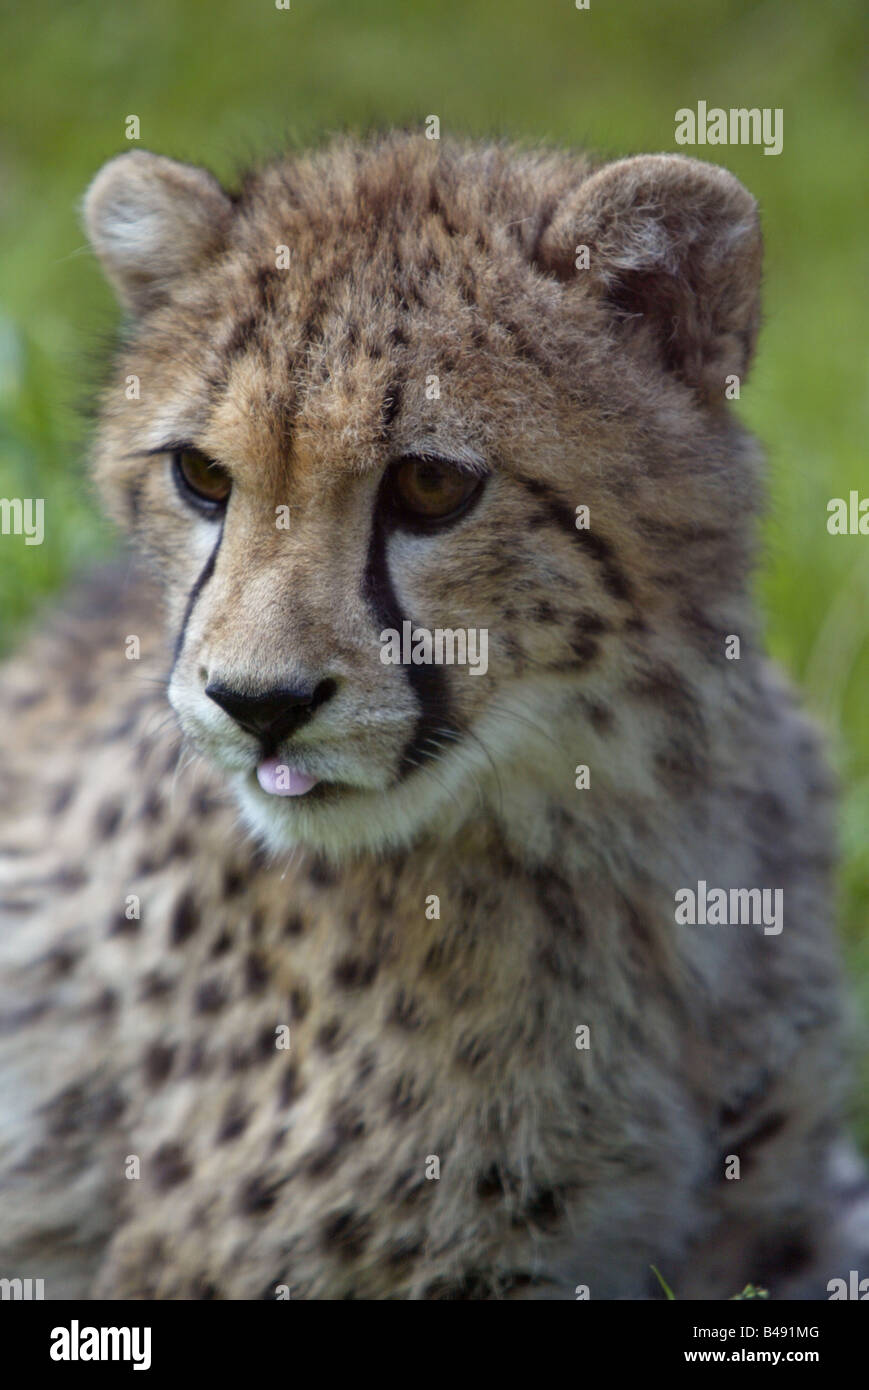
x: 414, y: 1036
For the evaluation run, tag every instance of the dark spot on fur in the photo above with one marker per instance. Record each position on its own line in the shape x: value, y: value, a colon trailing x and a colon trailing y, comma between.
x: 80, y: 1109
x: 180, y: 847
x: 346, y: 1118
x: 328, y: 1035
x: 590, y: 625
x: 242, y: 336
x: 196, y: 1059
x: 290, y: 1088
x: 233, y: 882
x: 268, y: 283
x: 408, y: 1188
x: 556, y: 898
x: 549, y: 960
x: 346, y: 1235
x: 402, y: 1255
x: 679, y: 767
x: 706, y: 636
x: 321, y: 873
x: 257, y: 1195
x: 405, y: 1012
x: 472, y: 1052
x: 734, y: 1113
x: 210, y: 997
x: 61, y: 961
x: 599, y: 716
x: 68, y: 879
x: 62, y: 797
x: 597, y: 547
x: 238, y: 1059
x: 266, y: 1039
x: 169, y: 1166
x: 185, y: 920
x: 544, y: 1210
x: 366, y: 1065
x: 108, y: 819
x: 155, y: 986
x: 489, y: 1184
x: 436, y: 958
x: 584, y: 649
x: 158, y: 1062
x: 204, y: 804
x: 300, y: 1002
x: 404, y: 1098
x: 767, y: 1129
x: 666, y: 687
x: 351, y: 972
x: 234, y: 1122
x: 255, y: 972
x: 222, y: 944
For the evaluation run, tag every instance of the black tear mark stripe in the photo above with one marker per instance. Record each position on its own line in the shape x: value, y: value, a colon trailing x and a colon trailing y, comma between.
x: 613, y: 577
x: 207, y: 572
x: 428, y: 682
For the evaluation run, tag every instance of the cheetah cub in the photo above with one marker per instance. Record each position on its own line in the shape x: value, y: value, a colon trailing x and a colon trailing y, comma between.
x: 335, y: 969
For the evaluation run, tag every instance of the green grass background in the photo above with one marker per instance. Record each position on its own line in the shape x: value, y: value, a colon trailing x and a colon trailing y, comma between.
x: 225, y: 82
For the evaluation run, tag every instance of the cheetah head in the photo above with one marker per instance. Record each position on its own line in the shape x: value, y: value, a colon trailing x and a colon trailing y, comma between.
x: 399, y: 389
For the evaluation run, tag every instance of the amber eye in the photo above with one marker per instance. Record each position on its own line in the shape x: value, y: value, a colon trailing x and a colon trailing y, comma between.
x: 200, y: 480
x: 426, y: 490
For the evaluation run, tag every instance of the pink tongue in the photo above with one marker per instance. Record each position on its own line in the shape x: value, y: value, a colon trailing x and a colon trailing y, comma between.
x: 279, y: 780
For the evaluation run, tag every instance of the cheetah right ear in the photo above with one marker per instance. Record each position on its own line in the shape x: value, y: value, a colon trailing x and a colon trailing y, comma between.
x: 152, y: 220
x: 675, y: 255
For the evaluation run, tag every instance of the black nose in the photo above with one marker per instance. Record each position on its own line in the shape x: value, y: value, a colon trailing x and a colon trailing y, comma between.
x: 274, y: 714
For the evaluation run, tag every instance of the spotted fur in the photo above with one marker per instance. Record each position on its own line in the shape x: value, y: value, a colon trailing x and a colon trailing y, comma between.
x: 416, y: 1037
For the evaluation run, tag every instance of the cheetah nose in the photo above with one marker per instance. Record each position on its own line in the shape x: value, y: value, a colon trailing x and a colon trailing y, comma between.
x: 274, y: 714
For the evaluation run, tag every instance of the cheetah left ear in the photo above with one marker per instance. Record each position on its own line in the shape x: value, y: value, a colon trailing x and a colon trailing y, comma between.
x: 151, y: 221
x: 674, y: 249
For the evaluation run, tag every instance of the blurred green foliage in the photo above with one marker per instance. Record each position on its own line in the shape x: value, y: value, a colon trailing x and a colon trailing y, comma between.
x: 229, y: 82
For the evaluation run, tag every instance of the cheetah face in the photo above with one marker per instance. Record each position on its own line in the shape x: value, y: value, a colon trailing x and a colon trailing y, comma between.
x: 375, y: 411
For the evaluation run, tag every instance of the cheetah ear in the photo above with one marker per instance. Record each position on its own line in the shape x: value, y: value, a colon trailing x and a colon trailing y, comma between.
x: 674, y: 250
x: 150, y: 221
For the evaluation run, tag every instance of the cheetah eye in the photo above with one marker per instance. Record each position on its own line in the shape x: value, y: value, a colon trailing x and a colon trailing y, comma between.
x: 200, y: 481
x: 429, y: 492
